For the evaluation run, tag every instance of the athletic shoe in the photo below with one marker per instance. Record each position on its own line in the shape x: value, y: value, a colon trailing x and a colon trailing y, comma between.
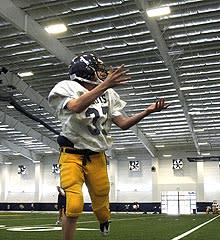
x: 58, y: 222
x: 104, y: 228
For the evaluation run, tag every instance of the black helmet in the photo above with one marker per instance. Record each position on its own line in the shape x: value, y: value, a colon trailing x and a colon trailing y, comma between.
x: 84, y: 67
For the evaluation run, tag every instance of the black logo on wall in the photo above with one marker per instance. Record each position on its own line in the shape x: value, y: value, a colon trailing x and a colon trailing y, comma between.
x: 134, y: 166
x: 21, y: 169
x: 55, y: 168
x: 177, y: 164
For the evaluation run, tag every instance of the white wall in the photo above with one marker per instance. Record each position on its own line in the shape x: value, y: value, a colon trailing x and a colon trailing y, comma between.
x: 211, y: 181
x: 39, y: 183
x: 133, y: 186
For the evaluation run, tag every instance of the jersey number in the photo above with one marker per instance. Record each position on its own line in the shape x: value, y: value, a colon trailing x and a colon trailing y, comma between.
x: 94, y: 128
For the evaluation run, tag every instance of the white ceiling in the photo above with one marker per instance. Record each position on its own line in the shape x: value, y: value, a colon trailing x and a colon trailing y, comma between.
x: 176, y: 57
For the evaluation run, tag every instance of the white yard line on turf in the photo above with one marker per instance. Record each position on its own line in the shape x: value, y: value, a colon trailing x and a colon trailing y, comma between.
x: 193, y: 229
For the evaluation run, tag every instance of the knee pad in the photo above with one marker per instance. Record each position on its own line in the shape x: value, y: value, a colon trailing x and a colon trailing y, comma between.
x: 102, y: 189
x: 74, y: 204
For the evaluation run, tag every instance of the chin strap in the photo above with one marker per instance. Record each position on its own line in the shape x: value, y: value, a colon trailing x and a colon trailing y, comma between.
x: 74, y: 77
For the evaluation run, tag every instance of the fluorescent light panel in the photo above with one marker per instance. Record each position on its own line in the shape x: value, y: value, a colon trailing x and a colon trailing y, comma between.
x: 10, y: 106
x: 56, y: 28
x: 161, y: 11
x: 160, y: 146
x: 25, y: 74
x: 7, y: 163
x: 205, y: 154
x: 203, y: 143
x: 167, y: 155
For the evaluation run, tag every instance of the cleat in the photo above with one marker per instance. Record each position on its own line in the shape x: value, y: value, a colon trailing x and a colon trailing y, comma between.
x: 104, y: 228
x: 58, y: 222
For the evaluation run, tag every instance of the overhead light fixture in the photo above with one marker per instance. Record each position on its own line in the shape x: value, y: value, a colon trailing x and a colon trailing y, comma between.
x: 56, y: 28
x: 194, y: 113
x: 186, y: 88
x: 203, y: 143
x: 131, y: 157
x: 10, y: 106
x: 25, y: 74
x: 150, y: 134
x: 161, y: 11
x: 199, y: 130
x: 205, y: 154
x: 167, y: 155
x: 48, y: 152
x: 7, y: 163
x: 159, y: 145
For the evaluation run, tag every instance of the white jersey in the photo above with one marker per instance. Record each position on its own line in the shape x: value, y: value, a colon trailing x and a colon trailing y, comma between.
x: 90, y: 128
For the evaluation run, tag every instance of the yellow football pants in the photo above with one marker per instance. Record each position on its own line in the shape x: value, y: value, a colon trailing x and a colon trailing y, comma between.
x: 94, y: 174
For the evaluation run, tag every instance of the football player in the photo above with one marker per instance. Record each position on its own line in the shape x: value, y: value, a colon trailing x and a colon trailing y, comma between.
x: 61, y: 201
x: 87, y: 106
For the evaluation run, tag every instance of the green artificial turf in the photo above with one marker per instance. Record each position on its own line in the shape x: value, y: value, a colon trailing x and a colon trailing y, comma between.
x: 123, y: 227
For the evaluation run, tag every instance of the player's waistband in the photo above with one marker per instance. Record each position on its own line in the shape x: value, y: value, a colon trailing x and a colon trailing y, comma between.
x: 77, y: 151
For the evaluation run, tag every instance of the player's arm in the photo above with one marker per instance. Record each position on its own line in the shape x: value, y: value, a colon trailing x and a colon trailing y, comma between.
x: 113, y: 79
x: 125, y: 122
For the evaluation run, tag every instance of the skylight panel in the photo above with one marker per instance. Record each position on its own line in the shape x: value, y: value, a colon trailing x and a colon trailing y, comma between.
x: 111, y: 2
x: 140, y: 42
x: 101, y: 27
x: 28, y: 51
x: 131, y: 52
x: 156, y: 70
x: 208, y: 79
x: 183, y: 2
x: 201, y: 87
x: 199, y: 55
x: 194, y: 23
x: 117, y: 45
x: 127, y: 25
x: 129, y: 12
x: 81, y: 33
x: 199, y: 73
x: 200, y: 64
x: 81, y: 7
x: 191, y: 12
x: 12, y: 45
x: 149, y: 79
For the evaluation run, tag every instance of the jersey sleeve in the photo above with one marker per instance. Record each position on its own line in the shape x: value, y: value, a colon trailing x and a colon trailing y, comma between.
x: 61, y: 94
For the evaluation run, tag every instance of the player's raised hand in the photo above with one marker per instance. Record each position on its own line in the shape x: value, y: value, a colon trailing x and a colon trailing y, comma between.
x: 116, y: 77
x: 158, y: 106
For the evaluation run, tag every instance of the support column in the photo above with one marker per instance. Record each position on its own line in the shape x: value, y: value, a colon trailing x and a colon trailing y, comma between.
x: 200, y: 181
x: 113, y: 178
x: 4, y: 182
x: 37, y: 194
x: 155, y: 189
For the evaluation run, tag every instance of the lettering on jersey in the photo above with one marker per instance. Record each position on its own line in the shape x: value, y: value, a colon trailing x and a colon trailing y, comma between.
x: 101, y: 99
